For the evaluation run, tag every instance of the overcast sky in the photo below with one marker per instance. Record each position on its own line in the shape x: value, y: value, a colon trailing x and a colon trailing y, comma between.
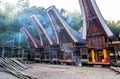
x: 109, y: 8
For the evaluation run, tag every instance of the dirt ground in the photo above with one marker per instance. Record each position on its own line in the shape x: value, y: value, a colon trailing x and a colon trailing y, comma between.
x: 45, y: 71
x: 70, y: 72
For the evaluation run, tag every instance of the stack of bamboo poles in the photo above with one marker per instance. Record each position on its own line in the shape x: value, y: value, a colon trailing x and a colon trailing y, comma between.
x: 14, y: 67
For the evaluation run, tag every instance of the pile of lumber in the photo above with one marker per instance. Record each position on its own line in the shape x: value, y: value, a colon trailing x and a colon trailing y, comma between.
x: 14, y: 67
x: 116, y: 69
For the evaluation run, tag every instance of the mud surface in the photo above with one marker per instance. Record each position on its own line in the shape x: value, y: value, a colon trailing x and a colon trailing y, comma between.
x: 45, y: 71
x: 70, y: 72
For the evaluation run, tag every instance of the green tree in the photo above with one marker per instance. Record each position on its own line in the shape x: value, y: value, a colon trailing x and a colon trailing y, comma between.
x: 115, y: 27
x: 23, y: 4
x: 74, y: 20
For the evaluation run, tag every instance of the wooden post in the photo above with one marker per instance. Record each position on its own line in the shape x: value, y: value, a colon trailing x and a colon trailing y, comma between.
x: 64, y: 56
x: 97, y: 56
x: 93, y: 55
x: 116, y: 52
x: 45, y: 57
x: 22, y: 53
x: 3, y: 51
x: 72, y: 57
x: 106, y: 54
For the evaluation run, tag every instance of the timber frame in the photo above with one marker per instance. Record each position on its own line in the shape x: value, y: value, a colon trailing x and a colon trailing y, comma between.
x: 95, y: 32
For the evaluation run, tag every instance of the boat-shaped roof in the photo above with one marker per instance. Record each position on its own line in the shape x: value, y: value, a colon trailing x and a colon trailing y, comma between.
x: 35, y: 42
x: 91, y: 12
x: 64, y: 32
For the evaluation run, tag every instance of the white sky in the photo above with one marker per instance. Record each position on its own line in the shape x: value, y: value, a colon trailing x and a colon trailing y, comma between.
x: 109, y: 8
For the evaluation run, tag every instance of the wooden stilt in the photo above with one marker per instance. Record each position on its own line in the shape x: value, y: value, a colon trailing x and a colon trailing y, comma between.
x: 106, y: 55
x: 72, y: 58
x: 97, y: 56
x: 93, y: 55
x: 64, y: 56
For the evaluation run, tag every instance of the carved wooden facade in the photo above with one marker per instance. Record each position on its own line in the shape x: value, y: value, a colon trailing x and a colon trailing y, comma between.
x: 96, y: 30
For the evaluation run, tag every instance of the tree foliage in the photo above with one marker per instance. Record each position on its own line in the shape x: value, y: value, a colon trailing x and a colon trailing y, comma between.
x: 72, y: 18
x: 115, y: 27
